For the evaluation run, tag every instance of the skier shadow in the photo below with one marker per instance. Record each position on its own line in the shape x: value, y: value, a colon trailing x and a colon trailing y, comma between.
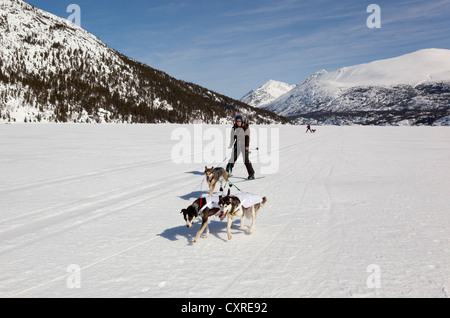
x: 216, y: 228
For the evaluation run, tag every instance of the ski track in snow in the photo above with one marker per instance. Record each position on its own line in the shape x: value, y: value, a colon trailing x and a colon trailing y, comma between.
x: 337, y: 205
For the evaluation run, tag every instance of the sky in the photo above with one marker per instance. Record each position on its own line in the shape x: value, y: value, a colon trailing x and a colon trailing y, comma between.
x: 234, y: 46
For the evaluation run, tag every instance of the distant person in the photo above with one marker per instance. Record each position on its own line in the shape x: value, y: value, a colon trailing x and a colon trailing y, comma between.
x: 308, y: 128
x: 240, y: 142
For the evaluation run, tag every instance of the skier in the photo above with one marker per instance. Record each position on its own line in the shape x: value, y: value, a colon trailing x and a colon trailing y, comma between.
x: 308, y: 128
x: 240, y: 141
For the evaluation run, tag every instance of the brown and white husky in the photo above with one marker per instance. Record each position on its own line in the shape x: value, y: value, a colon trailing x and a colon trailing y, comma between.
x: 213, y: 176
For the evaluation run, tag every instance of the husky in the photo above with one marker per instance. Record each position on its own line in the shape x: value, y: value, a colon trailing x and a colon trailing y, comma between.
x: 214, y: 175
x: 243, y: 205
x: 203, y: 208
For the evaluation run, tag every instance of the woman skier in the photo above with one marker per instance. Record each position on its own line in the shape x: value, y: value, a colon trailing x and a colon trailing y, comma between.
x: 240, y: 140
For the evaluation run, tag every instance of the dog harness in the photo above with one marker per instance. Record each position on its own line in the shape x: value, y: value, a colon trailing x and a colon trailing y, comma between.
x: 209, y: 202
x: 247, y: 200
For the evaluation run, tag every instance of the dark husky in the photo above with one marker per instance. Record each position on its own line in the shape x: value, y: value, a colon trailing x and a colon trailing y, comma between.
x: 243, y: 205
x: 204, y: 208
x: 214, y: 175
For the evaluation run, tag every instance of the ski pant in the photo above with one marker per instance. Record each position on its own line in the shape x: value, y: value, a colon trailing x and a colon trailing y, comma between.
x: 248, y: 164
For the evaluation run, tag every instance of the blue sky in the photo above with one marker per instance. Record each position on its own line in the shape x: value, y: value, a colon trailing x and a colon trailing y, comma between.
x: 233, y: 46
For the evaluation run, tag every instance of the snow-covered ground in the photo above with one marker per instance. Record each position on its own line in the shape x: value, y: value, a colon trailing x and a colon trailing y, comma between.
x: 352, y: 212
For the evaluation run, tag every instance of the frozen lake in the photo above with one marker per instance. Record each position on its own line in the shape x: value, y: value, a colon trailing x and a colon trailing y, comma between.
x: 93, y: 211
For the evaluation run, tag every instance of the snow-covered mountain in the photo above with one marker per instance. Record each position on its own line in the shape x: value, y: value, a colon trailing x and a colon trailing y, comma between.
x: 410, y: 89
x: 51, y: 70
x: 267, y: 93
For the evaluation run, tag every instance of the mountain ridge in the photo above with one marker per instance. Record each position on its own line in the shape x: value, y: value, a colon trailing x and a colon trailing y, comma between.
x: 51, y: 70
x: 410, y: 89
x: 267, y: 93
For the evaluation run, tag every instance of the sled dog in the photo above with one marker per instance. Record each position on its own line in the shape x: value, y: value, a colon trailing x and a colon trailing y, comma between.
x: 203, y: 208
x: 214, y: 175
x: 243, y: 205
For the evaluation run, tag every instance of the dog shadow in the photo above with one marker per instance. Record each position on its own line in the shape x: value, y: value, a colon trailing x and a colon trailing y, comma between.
x: 193, y: 195
x: 217, y: 229
x: 177, y: 233
x: 196, y: 173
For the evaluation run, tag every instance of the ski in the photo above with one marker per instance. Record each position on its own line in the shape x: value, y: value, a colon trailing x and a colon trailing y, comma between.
x: 245, y: 180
